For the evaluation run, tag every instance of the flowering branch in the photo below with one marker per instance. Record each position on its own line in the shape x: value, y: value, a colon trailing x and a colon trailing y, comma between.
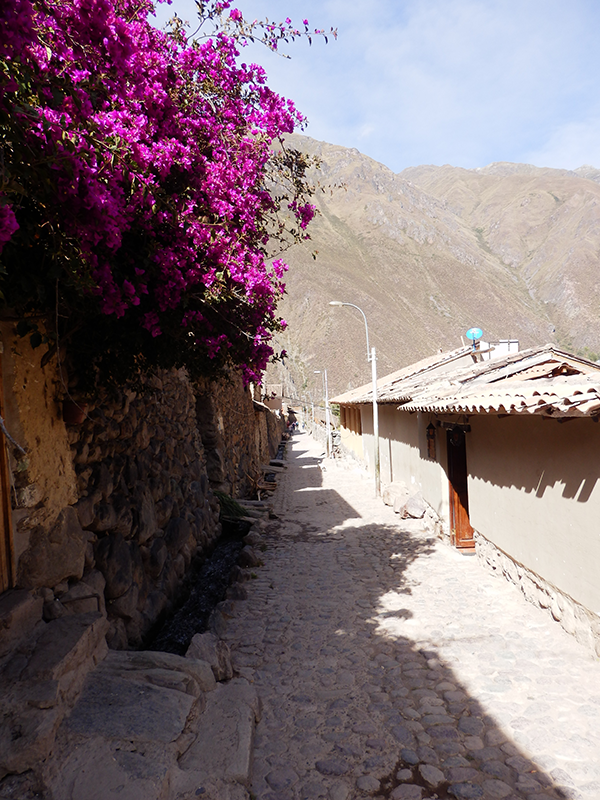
x: 140, y: 170
x: 271, y: 34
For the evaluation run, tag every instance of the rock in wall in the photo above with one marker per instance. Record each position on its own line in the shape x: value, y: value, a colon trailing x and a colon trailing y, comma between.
x: 577, y: 620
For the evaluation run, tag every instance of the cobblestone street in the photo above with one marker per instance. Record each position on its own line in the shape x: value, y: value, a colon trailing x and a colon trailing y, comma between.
x: 391, y: 666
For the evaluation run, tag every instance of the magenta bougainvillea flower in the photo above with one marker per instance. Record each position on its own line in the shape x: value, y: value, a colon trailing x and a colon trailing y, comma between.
x: 143, y: 183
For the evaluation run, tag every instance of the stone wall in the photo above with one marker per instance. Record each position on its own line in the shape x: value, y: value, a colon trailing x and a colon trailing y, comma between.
x: 143, y: 510
x: 145, y: 502
x: 238, y: 433
x: 584, y: 625
x: 110, y: 511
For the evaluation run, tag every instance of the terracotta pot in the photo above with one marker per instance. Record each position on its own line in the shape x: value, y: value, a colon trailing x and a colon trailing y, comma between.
x: 74, y: 413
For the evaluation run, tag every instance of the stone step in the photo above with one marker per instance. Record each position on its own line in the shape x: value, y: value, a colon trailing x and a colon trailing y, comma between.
x: 138, y: 713
x: 66, y: 650
x: 196, y: 673
x: 255, y: 513
x: 253, y: 520
x: 41, y: 683
x: 222, y: 747
x: 20, y: 612
x: 136, y: 703
x: 122, y: 737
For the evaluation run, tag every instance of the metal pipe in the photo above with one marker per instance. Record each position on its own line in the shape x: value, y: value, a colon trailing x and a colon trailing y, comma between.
x: 375, y: 423
x: 327, y: 415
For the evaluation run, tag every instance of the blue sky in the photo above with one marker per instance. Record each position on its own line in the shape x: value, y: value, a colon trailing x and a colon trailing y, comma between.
x: 461, y: 82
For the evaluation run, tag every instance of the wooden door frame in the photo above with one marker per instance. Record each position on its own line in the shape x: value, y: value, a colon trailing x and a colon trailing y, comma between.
x: 461, y: 532
x: 7, y: 553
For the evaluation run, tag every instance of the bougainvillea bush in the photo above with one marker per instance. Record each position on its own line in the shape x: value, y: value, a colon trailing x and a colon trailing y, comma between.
x: 143, y: 185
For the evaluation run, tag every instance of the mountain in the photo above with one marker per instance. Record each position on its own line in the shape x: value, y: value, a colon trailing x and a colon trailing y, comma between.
x: 432, y: 251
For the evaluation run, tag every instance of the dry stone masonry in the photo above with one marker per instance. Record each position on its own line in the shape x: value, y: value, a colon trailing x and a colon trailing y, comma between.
x: 145, y: 502
x: 111, y: 508
x: 99, y: 562
x: 145, y: 461
x: 238, y: 434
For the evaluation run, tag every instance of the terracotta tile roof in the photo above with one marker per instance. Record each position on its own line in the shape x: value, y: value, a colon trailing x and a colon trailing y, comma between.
x: 544, y: 380
x: 386, y: 385
x: 570, y: 396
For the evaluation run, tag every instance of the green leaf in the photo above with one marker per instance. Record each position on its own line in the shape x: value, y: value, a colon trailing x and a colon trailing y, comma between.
x: 35, y: 340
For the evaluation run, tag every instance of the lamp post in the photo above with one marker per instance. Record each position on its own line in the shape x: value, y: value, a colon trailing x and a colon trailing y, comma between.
x: 327, y: 417
x: 371, y: 357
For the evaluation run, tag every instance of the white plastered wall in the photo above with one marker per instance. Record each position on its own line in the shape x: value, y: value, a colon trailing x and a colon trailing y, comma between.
x: 534, y: 492
x: 350, y: 439
x: 403, y: 454
x: 534, y: 488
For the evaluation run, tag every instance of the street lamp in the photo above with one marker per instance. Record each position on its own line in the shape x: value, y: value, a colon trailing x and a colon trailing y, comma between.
x: 327, y: 417
x: 373, y: 360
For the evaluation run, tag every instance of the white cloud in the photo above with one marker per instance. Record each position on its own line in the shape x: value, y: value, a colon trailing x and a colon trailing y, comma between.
x: 572, y: 145
x: 366, y: 130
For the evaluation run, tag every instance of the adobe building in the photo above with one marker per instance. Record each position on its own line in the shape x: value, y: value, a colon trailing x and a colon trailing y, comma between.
x: 504, y: 450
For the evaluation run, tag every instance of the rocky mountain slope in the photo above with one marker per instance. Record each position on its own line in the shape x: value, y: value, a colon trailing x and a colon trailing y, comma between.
x: 431, y: 252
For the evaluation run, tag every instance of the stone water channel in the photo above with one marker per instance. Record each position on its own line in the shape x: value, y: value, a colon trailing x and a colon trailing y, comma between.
x: 206, y: 587
x: 208, y: 582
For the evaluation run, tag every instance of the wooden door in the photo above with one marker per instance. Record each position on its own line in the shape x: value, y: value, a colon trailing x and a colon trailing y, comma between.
x: 6, y: 544
x: 460, y: 526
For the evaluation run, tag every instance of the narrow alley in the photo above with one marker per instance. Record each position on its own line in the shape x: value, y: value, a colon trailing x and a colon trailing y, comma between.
x: 390, y: 666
